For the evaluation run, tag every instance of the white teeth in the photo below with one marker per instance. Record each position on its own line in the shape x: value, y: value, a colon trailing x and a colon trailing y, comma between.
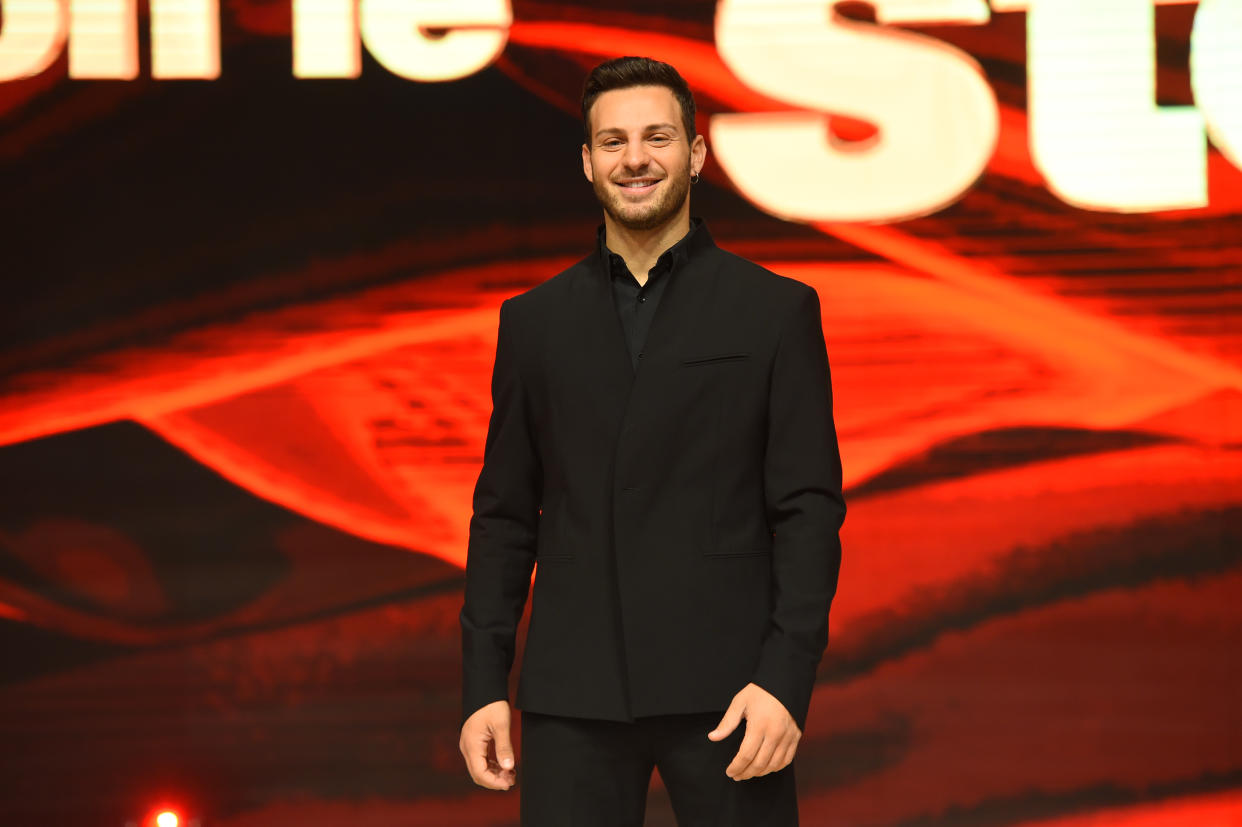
x: 634, y: 184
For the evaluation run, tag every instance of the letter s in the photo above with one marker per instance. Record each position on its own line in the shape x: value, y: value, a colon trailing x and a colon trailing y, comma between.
x: 32, y: 35
x: 936, y: 113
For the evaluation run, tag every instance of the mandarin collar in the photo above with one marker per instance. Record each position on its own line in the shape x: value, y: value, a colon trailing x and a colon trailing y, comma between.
x: 696, y: 238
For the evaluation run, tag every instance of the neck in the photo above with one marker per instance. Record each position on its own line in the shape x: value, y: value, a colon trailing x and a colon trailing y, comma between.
x: 642, y: 248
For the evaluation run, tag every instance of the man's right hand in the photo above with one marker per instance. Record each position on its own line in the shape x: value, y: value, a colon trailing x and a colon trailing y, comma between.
x: 486, y: 746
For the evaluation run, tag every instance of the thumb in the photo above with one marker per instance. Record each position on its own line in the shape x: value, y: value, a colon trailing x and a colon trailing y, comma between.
x: 732, y: 717
x: 504, y: 747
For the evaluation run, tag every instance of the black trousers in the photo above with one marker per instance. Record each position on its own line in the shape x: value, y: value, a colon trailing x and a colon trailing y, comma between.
x: 578, y: 772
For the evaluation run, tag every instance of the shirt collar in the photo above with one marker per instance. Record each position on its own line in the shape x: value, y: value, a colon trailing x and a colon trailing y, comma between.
x: 673, y: 258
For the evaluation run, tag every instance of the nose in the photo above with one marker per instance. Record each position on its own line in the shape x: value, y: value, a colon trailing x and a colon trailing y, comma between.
x: 635, y: 154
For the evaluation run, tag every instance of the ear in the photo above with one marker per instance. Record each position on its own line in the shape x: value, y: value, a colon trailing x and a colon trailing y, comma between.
x: 698, y: 153
x: 586, y: 164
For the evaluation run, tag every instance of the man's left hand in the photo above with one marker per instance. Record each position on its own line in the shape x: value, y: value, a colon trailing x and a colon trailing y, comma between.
x: 771, y: 734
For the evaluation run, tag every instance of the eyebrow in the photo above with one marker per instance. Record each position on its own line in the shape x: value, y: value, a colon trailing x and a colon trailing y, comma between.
x: 649, y: 128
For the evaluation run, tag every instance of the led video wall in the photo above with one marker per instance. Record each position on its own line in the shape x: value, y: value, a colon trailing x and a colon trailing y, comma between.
x: 253, y: 254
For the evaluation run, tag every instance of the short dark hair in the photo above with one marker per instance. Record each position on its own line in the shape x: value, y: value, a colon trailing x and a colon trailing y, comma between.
x: 625, y: 72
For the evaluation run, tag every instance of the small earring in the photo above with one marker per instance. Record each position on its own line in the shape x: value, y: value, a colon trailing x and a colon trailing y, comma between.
x: 694, y: 178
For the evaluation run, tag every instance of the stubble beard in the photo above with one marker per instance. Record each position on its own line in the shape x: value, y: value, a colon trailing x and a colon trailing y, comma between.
x: 676, y: 190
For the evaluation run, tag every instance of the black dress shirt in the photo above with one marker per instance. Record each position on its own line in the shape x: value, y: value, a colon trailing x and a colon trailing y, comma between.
x: 636, y: 303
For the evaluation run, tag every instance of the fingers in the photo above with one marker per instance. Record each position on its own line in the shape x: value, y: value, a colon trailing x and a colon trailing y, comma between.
x: 475, y: 751
x: 504, y: 747
x: 788, y: 756
x: 486, y: 745
x: 732, y: 717
x: 496, y: 776
x: 750, y: 758
x: 771, y: 750
x: 485, y: 770
x: 747, y: 752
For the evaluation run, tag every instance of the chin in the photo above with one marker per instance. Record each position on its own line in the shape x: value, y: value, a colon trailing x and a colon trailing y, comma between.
x: 648, y: 219
x: 641, y: 222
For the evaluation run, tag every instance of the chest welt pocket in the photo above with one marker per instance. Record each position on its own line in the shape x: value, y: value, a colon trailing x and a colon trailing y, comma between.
x: 715, y: 358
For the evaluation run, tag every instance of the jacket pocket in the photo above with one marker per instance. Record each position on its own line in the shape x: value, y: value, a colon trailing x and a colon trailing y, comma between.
x: 739, y: 552
x: 714, y: 358
x: 550, y: 545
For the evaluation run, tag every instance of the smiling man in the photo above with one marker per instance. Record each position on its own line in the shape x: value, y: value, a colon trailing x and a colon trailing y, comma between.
x: 661, y: 444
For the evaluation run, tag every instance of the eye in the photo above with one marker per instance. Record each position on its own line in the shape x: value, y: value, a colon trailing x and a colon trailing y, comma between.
x: 660, y: 140
x: 611, y: 143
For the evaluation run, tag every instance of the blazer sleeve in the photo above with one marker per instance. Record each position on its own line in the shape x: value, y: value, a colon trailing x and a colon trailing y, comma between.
x: 805, y: 507
x: 503, y: 530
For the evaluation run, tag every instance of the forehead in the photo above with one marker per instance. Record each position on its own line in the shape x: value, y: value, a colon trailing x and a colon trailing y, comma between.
x: 634, y: 108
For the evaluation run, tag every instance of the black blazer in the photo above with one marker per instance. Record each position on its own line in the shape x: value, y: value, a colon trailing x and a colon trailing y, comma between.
x: 684, y: 516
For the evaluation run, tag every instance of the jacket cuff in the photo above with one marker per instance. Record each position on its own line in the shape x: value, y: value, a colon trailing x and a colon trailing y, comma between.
x: 788, y: 675
x: 480, y: 690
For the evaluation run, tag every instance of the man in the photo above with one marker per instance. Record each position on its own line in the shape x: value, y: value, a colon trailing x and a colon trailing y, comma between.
x: 661, y: 444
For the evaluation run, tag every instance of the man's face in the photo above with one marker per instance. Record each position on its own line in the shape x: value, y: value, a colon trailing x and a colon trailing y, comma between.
x: 639, y: 159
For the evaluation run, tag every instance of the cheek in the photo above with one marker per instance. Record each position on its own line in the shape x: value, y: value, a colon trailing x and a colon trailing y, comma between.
x: 673, y: 163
